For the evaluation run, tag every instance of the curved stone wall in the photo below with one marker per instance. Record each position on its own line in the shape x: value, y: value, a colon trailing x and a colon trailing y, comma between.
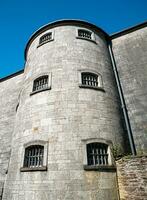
x: 64, y: 117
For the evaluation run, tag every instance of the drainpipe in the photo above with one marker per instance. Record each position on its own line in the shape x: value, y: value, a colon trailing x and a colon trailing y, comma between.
x: 123, y: 105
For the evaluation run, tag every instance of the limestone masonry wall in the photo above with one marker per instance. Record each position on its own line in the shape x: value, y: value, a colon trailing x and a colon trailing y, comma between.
x: 130, y: 52
x: 9, y: 94
x: 64, y: 117
x: 132, y: 178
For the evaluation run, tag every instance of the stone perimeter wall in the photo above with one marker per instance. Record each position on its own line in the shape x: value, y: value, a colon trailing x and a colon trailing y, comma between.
x: 130, y: 52
x: 132, y: 178
x: 9, y: 92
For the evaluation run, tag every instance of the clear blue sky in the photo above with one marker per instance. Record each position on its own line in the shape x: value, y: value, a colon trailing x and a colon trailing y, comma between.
x: 20, y: 18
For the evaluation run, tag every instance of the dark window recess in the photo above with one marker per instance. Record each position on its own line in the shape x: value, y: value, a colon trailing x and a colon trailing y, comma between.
x: 40, y: 83
x: 45, y: 38
x: 84, y: 34
x: 89, y: 79
x: 34, y: 156
x: 97, y: 154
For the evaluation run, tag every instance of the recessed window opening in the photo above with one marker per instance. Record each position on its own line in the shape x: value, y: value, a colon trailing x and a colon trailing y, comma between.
x: 40, y: 83
x: 34, y: 156
x: 97, y: 154
x: 90, y: 79
x: 45, y: 38
x: 84, y: 34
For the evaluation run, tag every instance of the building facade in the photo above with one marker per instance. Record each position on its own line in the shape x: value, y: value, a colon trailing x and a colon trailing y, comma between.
x: 79, y: 103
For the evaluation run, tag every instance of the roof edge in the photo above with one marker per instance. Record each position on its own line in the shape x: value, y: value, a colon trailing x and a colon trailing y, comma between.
x: 60, y: 23
x: 128, y: 30
x: 12, y: 75
x: 81, y: 22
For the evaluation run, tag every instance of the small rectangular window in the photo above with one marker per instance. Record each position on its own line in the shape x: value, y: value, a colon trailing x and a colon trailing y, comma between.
x: 45, y: 38
x: 90, y: 79
x: 40, y: 83
x: 84, y: 34
x: 34, y: 156
x: 97, y: 154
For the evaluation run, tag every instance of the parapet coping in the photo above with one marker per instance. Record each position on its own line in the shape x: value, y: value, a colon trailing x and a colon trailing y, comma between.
x: 63, y: 22
x: 129, y: 30
x: 76, y: 22
x: 12, y: 75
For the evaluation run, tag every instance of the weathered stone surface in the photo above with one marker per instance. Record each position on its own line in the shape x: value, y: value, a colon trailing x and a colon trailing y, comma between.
x: 130, y: 52
x: 66, y: 116
x: 9, y: 94
x: 132, y: 178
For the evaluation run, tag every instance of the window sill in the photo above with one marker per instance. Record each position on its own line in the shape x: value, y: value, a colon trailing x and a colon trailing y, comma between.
x: 102, y: 168
x: 45, y: 42
x: 92, y: 87
x: 91, y: 40
x: 27, y: 169
x: 32, y: 93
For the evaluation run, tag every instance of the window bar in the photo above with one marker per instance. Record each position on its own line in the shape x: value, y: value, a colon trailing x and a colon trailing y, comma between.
x: 87, y: 80
x: 104, y: 156
x: 37, y: 85
x: 97, y: 154
x: 92, y: 80
x: 93, y: 157
x: 100, y: 156
x: 101, y: 152
x: 39, y: 157
x: 35, y: 156
x: 31, y: 157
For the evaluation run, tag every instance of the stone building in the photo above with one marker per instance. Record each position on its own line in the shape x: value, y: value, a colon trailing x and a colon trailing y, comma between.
x: 79, y: 103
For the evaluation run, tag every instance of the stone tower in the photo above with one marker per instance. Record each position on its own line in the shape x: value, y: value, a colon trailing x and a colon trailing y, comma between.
x: 67, y: 119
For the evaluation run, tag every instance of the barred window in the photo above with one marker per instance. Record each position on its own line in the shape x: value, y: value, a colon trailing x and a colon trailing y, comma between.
x: 97, y: 154
x: 45, y: 38
x: 89, y: 79
x: 40, y: 83
x: 84, y: 34
x: 34, y: 156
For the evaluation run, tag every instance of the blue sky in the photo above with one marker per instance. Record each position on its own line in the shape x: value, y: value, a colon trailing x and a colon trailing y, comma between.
x: 20, y: 18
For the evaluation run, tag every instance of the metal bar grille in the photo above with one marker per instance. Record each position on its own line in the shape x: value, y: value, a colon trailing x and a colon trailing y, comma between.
x: 84, y: 34
x: 97, y: 154
x: 40, y: 83
x: 34, y: 156
x: 89, y: 79
x: 45, y: 38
